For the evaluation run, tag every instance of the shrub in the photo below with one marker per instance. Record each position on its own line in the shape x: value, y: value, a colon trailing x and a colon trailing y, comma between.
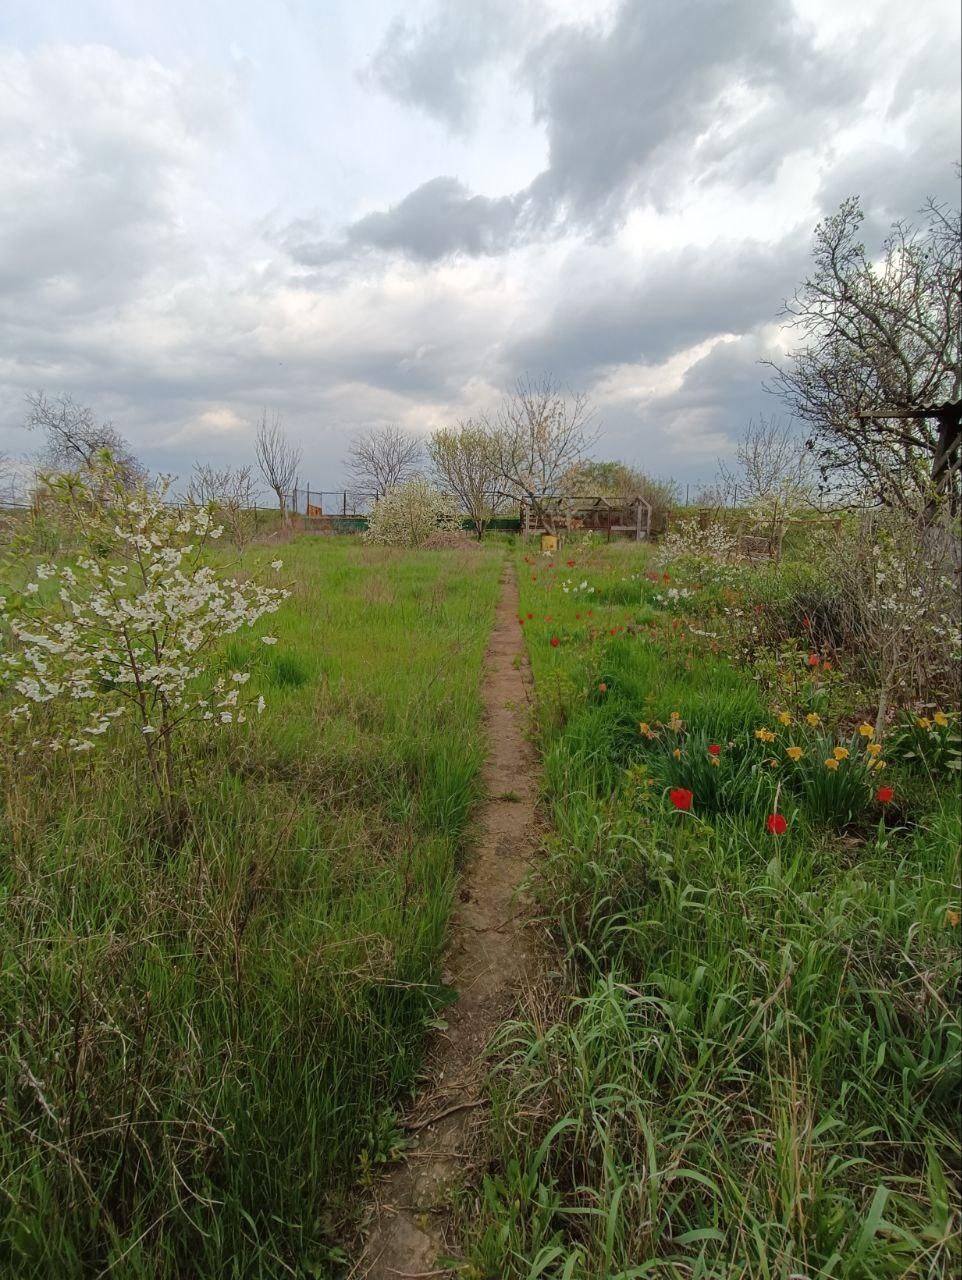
x: 410, y: 513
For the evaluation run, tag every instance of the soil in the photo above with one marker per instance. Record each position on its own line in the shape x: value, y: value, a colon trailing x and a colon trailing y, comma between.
x: 490, y: 957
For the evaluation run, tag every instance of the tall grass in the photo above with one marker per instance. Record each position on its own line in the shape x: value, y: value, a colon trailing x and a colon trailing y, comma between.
x: 201, y: 1049
x: 751, y: 1068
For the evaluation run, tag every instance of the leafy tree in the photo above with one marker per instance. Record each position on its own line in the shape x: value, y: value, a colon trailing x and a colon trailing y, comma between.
x: 880, y: 334
x: 465, y: 462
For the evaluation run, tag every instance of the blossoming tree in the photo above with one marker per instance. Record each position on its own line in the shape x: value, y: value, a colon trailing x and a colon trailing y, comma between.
x: 128, y: 628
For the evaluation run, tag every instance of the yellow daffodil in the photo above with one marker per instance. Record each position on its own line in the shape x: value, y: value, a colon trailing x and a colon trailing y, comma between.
x: 714, y: 761
x: 794, y: 753
x: 874, y: 748
x: 784, y: 717
x: 813, y: 719
x: 866, y: 730
x: 953, y: 918
x: 924, y: 722
x: 676, y: 753
x: 840, y: 753
x: 773, y: 763
x: 941, y: 719
x: 764, y: 735
x: 831, y: 763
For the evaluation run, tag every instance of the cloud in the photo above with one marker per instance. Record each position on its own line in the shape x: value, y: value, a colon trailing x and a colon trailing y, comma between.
x: 668, y: 92
x: 99, y: 153
x: 437, y: 220
x: 437, y: 65
x: 639, y: 248
x: 610, y: 310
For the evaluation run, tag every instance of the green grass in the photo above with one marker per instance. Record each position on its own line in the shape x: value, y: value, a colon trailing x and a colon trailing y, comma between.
x: 201, y: 1049
x: 750, y: 1067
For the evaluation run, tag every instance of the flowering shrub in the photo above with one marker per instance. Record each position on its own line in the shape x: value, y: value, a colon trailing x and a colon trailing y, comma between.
x: 410, y: 513
x: 127, y: 628
x: 691, y: 543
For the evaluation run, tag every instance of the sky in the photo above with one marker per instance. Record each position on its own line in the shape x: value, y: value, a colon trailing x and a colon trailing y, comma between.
x: 360, y: 212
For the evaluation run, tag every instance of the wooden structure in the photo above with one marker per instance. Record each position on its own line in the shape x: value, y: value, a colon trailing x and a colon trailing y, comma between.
x: 946, y: 459
x: 594, y: 513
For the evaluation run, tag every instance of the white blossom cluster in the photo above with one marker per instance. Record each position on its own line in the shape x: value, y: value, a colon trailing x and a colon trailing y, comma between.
x: 569, y: 587
x: 713, y: 543
x: 410, y: 513
x: 130, y: 624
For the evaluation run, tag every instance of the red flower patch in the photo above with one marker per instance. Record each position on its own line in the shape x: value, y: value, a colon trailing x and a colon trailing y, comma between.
x: 776, y: 824
x: 681, y: 798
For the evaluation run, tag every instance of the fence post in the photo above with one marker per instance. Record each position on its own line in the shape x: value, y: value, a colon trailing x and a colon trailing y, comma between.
x: 345, y: 502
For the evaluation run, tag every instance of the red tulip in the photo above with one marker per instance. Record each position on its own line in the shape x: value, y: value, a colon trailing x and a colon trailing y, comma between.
x: 602, y: 688
x: 884, y: 795
x: 530, y: 616
x: 813, y: 659
x: 555, y: 642
x: 681, y: 798
x: 777, y: 824
x: 572, y: 563
x: 714, y: 749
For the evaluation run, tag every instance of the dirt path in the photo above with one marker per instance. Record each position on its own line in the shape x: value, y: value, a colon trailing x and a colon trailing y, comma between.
x: 490, y: 954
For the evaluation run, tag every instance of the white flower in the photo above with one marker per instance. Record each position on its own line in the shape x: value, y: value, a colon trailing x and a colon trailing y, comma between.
x: 261, y: 704
x: 268, y: 639
x: 277, y: 564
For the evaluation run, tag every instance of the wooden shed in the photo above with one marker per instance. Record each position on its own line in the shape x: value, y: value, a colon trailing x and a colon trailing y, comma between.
x: 589, y: 513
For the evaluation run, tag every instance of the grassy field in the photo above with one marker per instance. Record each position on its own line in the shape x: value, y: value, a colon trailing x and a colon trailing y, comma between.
x: 750, y: 1067
x: 201, y: 1048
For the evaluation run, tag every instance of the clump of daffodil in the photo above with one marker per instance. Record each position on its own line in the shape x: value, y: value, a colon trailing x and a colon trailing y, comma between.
x: 764, y: 735
x: 784, y: 717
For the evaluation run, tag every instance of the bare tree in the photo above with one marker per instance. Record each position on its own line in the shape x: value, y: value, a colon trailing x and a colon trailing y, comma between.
x: 380, y: 459
x: 773, y: 468
x: 277, y: 460
x: 465, y: 463
x: 880, y: 336
x: 73, y: 438
x: 541, y: 433
x: 231, y: 492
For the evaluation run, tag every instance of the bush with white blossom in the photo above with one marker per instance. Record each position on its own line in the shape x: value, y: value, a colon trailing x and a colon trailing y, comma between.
x: 410, y: 513
x: 128, y: 627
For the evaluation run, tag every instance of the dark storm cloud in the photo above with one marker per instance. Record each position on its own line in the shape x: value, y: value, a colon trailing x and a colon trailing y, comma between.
x: 436, y: 220
x: 630, y: 111
x: 435, y: 65
x: 675, y: 302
